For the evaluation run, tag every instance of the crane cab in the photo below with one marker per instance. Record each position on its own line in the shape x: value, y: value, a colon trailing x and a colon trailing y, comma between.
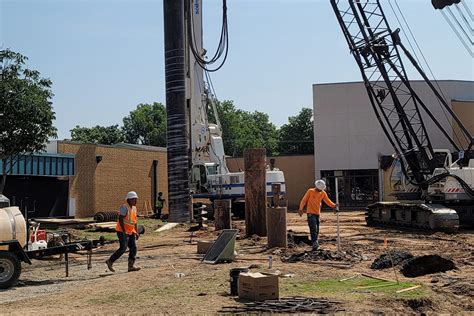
x: 403, y: 188
x: 200, y: 176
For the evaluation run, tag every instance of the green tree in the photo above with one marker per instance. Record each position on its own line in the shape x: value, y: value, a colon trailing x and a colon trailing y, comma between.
x: 146, y: 125
x: 229, y: 120
x: 26, y: 114
x: 106, y: 135
x: 242, y: 129
x: 297, y: 137
x: 255, y: 131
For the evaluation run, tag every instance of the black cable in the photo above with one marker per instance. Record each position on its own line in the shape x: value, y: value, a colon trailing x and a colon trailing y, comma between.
x: 223, y: 46
x: 403, y: 29
x: 431, y: 72
x: 464, y: 185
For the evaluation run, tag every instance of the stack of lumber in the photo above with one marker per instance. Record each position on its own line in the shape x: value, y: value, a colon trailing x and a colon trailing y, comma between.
x: 63, y: 222
x: 103, y: 227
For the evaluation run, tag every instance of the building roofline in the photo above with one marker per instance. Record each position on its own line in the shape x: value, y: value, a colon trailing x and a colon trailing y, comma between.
x: 118, y: 146
x: 46, y: 154
x: 465, y: 101
x: 362, y: 82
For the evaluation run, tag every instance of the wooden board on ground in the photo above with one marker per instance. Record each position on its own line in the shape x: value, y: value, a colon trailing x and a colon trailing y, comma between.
x: 63, y: 221
x: 409, y: 289
x: 103, y: 227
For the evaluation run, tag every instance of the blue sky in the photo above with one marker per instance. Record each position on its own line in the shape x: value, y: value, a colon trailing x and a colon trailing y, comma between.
x: 106, y: 56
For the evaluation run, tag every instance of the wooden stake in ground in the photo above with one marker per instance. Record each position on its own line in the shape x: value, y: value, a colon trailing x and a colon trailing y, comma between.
x: 255, y: 191
x: 337, y: 216
x: 222, y: 218
x: 276, y: 227
x: 385, y: 243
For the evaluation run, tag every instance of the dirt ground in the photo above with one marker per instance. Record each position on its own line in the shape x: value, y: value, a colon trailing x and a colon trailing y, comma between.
x: 43, y: 287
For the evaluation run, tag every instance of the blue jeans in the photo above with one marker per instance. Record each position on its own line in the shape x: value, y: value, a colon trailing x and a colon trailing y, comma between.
x: 313, y: 223
x: 125, y: 240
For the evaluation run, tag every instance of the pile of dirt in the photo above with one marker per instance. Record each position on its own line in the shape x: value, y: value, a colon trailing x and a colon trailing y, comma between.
x: 385, y: 260
x: 423, y: 265
x: 321, y: 254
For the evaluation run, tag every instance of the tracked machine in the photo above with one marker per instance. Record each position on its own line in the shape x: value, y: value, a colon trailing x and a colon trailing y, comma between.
x: 433, y: 188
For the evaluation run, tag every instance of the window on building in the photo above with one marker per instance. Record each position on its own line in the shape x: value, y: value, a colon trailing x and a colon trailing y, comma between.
x: 357, y: 188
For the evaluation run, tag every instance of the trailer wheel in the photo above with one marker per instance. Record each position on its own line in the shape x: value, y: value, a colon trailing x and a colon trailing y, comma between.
x: 10, y: 269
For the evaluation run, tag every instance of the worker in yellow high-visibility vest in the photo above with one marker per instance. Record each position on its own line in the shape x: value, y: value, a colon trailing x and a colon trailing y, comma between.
x: 159, y: 204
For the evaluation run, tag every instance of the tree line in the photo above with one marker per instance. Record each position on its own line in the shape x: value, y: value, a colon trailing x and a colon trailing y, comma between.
x: 241, y: 129
x: 27, y: 116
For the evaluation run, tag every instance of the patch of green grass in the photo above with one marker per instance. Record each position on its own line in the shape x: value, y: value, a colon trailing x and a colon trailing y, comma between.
x: 150, y: 222
x: 349, y: 289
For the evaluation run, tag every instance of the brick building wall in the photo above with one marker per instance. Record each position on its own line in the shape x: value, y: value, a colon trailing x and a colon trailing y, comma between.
x: 298, y: 171
x: 102, y: 186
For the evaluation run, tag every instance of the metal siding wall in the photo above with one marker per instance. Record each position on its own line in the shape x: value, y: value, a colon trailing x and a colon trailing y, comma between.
x: 39, y: 165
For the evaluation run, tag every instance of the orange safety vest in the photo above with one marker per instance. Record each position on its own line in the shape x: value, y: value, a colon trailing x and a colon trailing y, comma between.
x: 129, y: 220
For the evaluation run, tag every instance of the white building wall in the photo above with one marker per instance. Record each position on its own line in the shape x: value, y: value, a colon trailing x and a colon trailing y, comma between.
x: 347, y: 134
x: 51, y: 147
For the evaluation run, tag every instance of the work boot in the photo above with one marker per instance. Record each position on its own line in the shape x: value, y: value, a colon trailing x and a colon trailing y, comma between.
x: 131, y: 266
x: 110, y: 265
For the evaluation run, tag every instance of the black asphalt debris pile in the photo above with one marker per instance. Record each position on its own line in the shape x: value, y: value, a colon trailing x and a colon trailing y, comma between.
x: 423, y: 265
x: 321, y: 254
x: 287, y: 305
x: 384, y: 261
x: 297, y: 240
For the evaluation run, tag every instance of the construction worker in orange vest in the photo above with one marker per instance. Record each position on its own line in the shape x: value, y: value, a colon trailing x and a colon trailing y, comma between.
x: 127, y: 232
x: 312, y: 200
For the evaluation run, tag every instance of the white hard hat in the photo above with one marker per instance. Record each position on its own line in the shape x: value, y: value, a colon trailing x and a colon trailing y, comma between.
x: 320, y: 184
x: 131, y: 195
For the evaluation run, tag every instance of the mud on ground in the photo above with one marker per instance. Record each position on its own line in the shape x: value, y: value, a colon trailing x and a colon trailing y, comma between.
x: 204, y: 288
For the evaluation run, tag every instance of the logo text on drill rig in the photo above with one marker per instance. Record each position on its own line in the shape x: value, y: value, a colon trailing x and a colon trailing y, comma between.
x: 196, y: 7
